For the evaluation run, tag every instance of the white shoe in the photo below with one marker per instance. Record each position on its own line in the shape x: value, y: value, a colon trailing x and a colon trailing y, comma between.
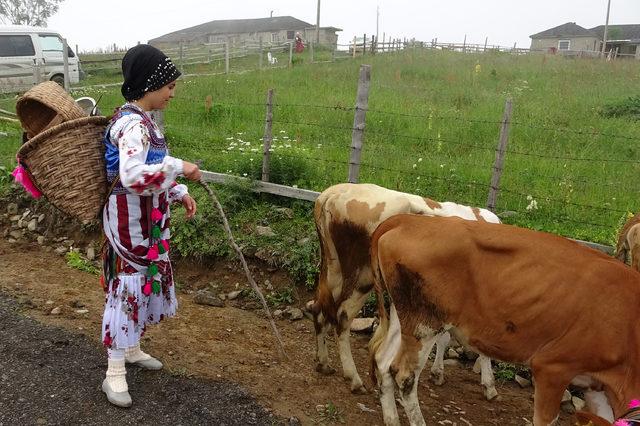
x: 135, y: 356
x: 115, y: 384
x: 120, y: 399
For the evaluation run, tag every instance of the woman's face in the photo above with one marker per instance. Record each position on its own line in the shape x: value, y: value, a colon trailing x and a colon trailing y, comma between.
x: 159, y: 99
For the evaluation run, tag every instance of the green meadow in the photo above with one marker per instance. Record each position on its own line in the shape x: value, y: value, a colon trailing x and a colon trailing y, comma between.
x: 432, y: 127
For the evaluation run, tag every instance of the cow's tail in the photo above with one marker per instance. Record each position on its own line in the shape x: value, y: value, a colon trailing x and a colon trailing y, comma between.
x: 379, y: 289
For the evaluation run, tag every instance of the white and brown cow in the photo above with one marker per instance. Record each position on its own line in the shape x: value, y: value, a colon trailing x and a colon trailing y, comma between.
x: 346, y: 215
x: 514, y: 294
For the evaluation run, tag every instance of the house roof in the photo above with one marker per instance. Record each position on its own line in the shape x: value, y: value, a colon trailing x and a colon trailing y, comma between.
x: 237, y: 26
x: 618, y: 32
x: 570, y: 29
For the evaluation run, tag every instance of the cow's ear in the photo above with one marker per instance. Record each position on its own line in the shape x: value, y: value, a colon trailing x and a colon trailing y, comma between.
x: 590, y: 419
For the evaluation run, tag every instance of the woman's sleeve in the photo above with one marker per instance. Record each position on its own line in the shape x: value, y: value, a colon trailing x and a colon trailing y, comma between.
x: 144, y: 179
x: 177, y: 191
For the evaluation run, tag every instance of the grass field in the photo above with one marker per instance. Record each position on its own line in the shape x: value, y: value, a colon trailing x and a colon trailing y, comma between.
x: 432, y: 127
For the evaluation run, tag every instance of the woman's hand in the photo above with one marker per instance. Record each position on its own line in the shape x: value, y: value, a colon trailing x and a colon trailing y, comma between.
x: 189, y: 205
x: 191, y: 171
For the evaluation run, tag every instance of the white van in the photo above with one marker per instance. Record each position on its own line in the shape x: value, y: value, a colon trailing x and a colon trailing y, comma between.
x: 27, y: 52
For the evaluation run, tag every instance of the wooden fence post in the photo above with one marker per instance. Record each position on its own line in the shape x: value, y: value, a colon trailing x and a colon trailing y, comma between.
x: 357, y: 136
x: 266, y: 149
x: 311, y: 49
x: 65, y: 62
x: 364, y: 45
x: 354, y: 46
x: 290, y: 54
x: 226, y: 56
x: 261, y: 53
x: 494, y: 188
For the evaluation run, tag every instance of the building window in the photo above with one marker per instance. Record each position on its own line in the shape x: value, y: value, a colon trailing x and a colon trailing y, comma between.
x: 290, y: 35
x: 274, y: 37
x: 564, y: 44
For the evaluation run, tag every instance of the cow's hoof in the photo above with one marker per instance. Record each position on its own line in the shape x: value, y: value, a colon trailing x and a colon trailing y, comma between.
x: 325, y: 369
x: 490, y: 394
x: 359, y: 390
x: 437, y: 378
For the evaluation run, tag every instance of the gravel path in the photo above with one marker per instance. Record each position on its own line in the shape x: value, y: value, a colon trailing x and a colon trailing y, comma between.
x: 51, y: 376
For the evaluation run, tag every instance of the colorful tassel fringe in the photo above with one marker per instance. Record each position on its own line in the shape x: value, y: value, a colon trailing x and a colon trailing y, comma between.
x: 22, y: 177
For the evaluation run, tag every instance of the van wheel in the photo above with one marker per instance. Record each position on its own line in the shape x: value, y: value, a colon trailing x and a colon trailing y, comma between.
x: 58, y: 79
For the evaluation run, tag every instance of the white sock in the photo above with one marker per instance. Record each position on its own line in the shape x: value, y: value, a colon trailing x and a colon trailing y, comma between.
x: 134, y: 354
x: 116, y: 372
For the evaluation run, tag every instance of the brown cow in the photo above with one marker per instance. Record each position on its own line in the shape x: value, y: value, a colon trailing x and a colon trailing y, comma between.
x: 629, y: 242
x: 514, y: 294
x: 346, y: 215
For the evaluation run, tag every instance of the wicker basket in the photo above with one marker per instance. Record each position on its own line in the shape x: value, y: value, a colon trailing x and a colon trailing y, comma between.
x: 44, y: 106
x: 66, y: 163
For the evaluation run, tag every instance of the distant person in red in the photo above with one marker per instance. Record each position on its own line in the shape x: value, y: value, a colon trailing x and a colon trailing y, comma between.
x: 299, y: 43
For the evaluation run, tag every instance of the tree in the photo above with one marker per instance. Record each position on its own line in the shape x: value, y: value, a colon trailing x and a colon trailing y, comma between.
x: 28, y: 12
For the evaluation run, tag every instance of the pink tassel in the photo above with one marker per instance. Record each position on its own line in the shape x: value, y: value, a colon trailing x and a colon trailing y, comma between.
x: 621, y: 423
x: 634, y: 403
x: 165, y: 245
x: 22, y: 177
x: 146, y: 288
x: 152, y: 254
x: 156, y: 215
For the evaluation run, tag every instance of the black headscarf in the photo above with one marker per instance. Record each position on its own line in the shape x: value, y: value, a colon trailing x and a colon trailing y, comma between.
x: 145, y: 69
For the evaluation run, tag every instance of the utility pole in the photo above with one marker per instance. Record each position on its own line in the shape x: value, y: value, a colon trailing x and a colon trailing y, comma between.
x: 318, y: 25
x: 606, y: 28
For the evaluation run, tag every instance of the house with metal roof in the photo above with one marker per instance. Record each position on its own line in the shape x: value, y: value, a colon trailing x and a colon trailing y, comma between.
x: 570, y: 37
x: 273, y: 30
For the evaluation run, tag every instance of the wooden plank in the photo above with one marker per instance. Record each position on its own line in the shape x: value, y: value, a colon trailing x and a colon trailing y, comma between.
x: 265, y: 187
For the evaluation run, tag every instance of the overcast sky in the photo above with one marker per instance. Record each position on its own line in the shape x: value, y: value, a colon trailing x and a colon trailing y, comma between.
x: 94, y: 24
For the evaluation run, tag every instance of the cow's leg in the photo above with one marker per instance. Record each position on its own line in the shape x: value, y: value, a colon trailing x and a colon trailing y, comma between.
x: 385, y: 346
x: 550, y: 385
x: 408, y: 383
x: 437, y: 369
x: 346, y: 312
x: 322, y: 328
x: 486, y: 377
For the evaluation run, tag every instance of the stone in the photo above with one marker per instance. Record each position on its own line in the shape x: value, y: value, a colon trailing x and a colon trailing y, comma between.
x: 26, y: 213
x: 278, y: 313
x: 268, y: 285
x: 12, y: 240
x: 265, y: 231
x: 362, y: 325
x: 12, y: 208
x: 40, y: 239
x: 32, y: 225
x: 15, y: 234
x: 285, y: 211
x: 470, y: 355
x: 295, y: 314
x: 566, y: 396
x: 451, y: 363
x: 567, y: 407
x: 205, y: 297
x: 508, y: 213
x: 49, y: 302
x: 61, y: 250
x: 82, y: 311
x: 56, y: 311
x: 452, y: 354
x: 91, y: 253
x: 68, y: 243
x: 234, y: 294
x: 524, y: 383
x: 294, y: 421
x: 578, y: 403
x: 41, y: 218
